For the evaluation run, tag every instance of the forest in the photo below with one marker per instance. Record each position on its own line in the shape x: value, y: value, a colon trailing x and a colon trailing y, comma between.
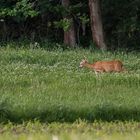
x: 103, y: 24
x: 69, y: 69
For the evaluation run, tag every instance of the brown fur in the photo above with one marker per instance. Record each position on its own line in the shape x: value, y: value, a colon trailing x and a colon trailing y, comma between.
x: 104, y: 66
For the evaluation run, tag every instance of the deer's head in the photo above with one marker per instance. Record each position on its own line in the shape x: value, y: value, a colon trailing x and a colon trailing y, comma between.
x: 83, y: 62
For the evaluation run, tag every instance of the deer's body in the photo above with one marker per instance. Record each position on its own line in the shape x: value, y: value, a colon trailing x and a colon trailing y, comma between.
x: 104, y: 66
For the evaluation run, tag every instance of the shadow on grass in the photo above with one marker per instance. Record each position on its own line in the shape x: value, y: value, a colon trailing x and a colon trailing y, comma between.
x: 4, y: 111
x: 70, y: 115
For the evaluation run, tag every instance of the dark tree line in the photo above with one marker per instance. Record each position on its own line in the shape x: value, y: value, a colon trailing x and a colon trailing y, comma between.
x: 108, y: 24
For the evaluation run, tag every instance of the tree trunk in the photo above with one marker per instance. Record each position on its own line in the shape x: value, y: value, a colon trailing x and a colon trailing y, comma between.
x: 69, y: 35
x: 96, y: 24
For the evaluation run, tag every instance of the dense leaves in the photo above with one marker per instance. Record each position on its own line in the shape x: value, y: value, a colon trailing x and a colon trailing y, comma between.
x: 122, y: 22
x: 37, y: 20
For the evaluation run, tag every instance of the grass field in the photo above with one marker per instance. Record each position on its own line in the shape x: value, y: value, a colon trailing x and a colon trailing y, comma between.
x: 50, y: 87
x: 75, y: 131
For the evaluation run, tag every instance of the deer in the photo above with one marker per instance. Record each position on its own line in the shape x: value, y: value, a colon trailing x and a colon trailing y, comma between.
x: 103, y: 66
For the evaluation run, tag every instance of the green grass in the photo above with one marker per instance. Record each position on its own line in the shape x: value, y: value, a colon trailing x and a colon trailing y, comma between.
x: 50, y: 86
x: 65, y: 131
x: 45, y: 95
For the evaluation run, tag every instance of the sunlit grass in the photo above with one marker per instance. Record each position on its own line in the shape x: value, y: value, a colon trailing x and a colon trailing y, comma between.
x: 50, y: 86
x: 66, y: 131
x: 66, y: 102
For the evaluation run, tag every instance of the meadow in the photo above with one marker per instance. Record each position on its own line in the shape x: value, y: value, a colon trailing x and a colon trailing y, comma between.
x: 48, y: 86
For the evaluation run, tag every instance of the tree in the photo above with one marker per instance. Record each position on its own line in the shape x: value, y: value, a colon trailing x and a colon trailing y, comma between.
x: 46, y: 20
x: 96, y: 24
x: 69, y: 33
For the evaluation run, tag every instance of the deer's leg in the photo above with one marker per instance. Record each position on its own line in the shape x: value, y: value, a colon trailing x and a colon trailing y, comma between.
x: 98, y: 71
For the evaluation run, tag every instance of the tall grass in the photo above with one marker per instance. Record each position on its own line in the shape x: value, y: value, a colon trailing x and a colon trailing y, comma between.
x: 65, y: 131
x: 50, y: 86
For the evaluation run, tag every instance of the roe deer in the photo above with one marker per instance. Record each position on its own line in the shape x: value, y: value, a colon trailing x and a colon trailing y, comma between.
x: 103, y: 66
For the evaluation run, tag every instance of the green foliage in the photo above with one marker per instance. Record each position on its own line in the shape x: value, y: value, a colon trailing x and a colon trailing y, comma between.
x: 80, y: 129
x: 4, y: 110
x: 50, y: 86
x: 66, y: 131
x: 121, y: 22
x: 63, y: 23
x: 84, y: 18
x: 43, y: 19
x: 39, y: 86
x: 21, y: 9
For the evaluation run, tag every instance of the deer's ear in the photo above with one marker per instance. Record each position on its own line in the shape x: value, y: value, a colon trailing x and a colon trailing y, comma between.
x: 83, y: 61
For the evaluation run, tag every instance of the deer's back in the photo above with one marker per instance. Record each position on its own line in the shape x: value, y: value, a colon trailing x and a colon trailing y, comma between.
x: 108, y: 66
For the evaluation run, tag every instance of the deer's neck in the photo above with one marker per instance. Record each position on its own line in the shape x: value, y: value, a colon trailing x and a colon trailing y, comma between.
x: 90, y: 66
